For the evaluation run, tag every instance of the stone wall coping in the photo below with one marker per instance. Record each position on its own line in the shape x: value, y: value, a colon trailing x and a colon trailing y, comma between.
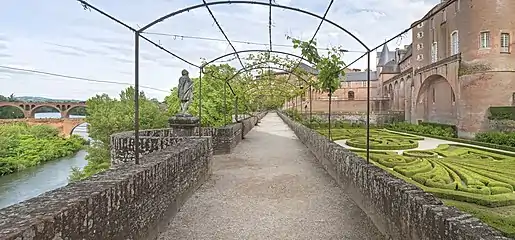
x: 44, y: 209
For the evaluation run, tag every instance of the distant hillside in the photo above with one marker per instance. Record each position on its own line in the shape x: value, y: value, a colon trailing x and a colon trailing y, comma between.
x: 43, y: 99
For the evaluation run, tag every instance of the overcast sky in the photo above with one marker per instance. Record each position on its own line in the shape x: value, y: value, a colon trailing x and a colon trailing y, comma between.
x: 59, y: 36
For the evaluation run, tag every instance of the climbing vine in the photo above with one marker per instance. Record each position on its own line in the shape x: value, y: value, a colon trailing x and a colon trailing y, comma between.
x: 329, y: 66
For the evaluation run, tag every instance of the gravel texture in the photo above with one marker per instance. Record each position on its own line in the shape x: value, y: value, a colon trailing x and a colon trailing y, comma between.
x: 270, y: 187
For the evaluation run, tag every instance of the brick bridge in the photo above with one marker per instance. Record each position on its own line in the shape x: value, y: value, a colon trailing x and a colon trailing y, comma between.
x: 65, y: 125
x: 279, y: 181
x: 29, y: 108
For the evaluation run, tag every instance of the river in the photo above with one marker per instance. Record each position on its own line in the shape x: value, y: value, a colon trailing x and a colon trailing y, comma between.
x: 29, y: 183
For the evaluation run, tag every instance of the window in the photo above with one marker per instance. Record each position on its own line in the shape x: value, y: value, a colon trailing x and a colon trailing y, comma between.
x: 444, y: 15
x: 505, y: 42
x: 434, y: 95
x: 364, y: 84
x: 420, y: 25
x: 455, y: 44
x: 432, y: 23
x: 420, y: 46
x: 457, y: 6
x: 434, y: 52
x: 350, y: 95
x: 484, y: 40
x: 420, y: 57
x: 420, y: 34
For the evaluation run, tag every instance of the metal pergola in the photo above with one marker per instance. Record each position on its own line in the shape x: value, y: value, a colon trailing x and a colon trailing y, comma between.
x: 270, y: 5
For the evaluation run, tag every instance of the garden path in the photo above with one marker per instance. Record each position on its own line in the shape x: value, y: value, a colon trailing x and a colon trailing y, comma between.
x: 270, y: 187
x: 426, y: 144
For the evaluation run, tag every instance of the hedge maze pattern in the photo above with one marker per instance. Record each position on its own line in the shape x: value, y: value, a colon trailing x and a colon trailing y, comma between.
x: 454, y: 172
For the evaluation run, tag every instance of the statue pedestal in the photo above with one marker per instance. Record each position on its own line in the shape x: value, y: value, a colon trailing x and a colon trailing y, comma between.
x: 184, y: 124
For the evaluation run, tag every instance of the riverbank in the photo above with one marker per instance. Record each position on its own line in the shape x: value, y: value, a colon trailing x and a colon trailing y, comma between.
x: 23, y: 146
x: 33, y: 181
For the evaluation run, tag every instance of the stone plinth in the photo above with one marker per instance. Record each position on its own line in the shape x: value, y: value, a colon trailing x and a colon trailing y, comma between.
x: 184, y: 124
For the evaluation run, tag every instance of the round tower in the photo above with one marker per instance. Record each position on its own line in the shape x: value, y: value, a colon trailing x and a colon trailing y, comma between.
x: 487, y: 70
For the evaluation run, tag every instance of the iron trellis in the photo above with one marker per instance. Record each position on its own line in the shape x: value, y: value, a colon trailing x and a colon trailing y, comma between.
x: 270, y: 4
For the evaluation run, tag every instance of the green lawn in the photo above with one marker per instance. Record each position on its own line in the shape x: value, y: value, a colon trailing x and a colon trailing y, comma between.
x: 476, y: 181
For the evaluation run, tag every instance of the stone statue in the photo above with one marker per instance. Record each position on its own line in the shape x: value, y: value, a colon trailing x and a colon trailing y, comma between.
x: 185, y: 92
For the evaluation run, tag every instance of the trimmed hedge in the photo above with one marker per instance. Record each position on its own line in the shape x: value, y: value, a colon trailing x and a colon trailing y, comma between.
x: 430, y: 129
x: 380, y: 143
x: 502, y: 113
x: 460, y: 140
x: 464, y: 174
x: 420, y: 154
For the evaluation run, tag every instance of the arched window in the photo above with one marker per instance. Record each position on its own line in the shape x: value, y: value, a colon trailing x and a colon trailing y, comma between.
x: 350, y: 95
x: 455, y: 43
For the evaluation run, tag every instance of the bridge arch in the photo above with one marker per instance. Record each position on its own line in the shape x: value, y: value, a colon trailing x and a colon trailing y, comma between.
x: 69, y: 109
x: 35, y: 107
x: 436, y: 101
x: 15, y: 106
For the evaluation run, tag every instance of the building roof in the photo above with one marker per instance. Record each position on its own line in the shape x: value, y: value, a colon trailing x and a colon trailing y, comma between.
x: 385, y: 56
x: 409, y: 52
x: 308, y: 68
x: 358, y: 76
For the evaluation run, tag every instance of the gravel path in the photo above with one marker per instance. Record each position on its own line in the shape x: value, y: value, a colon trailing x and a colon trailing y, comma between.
x: 270, y: 187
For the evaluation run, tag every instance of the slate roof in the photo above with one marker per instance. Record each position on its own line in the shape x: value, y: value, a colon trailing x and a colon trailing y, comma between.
x: 358, y: 76
x: 385, y: 56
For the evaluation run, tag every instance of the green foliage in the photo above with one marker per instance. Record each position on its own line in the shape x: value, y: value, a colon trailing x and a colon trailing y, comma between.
x: 502, y: 113
x: 329, y: 67
x: 214, y: 113
x: 501, y: 218
x: 423, y: 129
x: 499, y: 138
x: 383, y: 143
x: 447, y: 127
x: 23, y: 146
x: 106, y: 116
x: 358, y: 132
x: 293, y: 114
x: 463, y: 174
x: 9, y: 112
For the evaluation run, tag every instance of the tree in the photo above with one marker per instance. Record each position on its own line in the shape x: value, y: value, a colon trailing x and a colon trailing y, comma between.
x: 217, y: 98
x: 329, y: 68
x: 107, y: 116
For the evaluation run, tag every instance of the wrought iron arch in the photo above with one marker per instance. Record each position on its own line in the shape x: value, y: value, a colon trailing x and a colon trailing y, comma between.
x: 254, y: 50
x: 187, y: 9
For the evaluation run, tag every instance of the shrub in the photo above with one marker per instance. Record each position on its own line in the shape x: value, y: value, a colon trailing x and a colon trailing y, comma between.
x: 428, y: 129
x: 499, y: 138
x: 383, y: 143
x: 502, y: 113
x: 420, y: 154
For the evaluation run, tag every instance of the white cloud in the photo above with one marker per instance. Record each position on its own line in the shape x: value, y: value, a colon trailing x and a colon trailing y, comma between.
x: 63, y: 38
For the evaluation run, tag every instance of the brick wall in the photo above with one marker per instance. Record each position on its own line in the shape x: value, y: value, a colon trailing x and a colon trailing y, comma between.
x: 129, y: 202
x: 400, y: 210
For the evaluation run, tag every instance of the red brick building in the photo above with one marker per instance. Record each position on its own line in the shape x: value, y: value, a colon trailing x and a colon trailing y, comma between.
x: 460, y: 63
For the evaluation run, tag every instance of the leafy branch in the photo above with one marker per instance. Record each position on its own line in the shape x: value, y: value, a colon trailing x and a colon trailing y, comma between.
x: 328, y: 66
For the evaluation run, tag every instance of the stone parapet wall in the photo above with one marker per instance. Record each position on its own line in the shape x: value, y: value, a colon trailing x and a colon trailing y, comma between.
x: 224, y: 138
x: 129, y: 202
x: 400, y: 210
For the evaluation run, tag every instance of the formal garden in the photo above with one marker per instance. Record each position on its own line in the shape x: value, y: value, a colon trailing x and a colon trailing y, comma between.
x: 475, y: 179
